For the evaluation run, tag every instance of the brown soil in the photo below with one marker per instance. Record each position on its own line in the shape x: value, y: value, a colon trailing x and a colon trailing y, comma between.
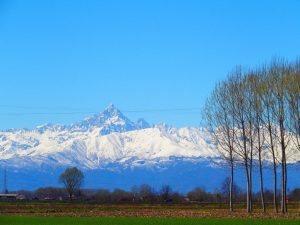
x: 161, y: 211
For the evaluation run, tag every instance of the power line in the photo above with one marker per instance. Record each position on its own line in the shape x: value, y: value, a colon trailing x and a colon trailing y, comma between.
x: 162, y: 110
x: 165, y: 110
x: 41, y: 113
x: 64, y: 108
x: 40, y: 107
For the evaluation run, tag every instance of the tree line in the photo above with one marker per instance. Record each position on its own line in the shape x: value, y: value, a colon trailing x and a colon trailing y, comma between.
x: 254, y: 118
x: 72, y: 179
x: 145, y: 194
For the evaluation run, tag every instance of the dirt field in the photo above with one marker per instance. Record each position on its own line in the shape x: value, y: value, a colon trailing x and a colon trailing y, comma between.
x: 146, y: 211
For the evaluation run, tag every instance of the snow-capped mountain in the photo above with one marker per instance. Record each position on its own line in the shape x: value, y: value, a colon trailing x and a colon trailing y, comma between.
x: 105, y: 138
x: 114, y: 152
x: 110, y: 120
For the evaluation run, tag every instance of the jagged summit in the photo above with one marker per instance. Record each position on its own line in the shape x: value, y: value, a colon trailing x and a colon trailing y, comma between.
x: 110, y: 120
x: 111, y: 108
x: 106, y: 137
x: 107, y: 140
x: 142, y: 124
x: 49, y: 127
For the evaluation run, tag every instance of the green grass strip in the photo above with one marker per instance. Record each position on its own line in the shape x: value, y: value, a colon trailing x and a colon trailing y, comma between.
x: 27, y: 220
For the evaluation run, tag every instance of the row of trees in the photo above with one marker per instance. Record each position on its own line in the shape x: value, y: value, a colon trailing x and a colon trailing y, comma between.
x: 146, y: 194
x: 72, y: 179
x: 254, y: 116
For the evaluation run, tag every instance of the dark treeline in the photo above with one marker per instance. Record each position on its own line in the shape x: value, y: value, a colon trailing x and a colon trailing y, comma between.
x: 146, y: 194
x: 255, y: 118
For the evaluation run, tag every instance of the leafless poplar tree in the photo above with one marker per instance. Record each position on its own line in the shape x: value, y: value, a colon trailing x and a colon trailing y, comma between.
x: 293, y: 97
x: 277, y: 77
x: 243, y: 121
x: 271, y: 128
x: 219, y: 120
x: 254, y: 80
x: 255, y: 114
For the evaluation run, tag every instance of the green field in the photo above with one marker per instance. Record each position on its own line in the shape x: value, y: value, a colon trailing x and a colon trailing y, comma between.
x: 26, y: 220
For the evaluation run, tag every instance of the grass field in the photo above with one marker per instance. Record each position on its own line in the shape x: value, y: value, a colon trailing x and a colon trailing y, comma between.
x: 28, y: 220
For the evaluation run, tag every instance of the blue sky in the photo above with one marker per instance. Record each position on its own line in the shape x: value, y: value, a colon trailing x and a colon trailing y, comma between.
x: 76, y: 57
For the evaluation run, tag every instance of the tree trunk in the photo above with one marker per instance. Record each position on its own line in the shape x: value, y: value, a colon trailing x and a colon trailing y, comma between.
x: 261, y: 183
x: 282, y: 188
x: 283, y: 168
x: 284, y: 184
x: 274, y: 165
x: 248, y: 189
x: 275, y: 187
x: 260, y: 167
x: 250, y: 177
x: 231, y: 189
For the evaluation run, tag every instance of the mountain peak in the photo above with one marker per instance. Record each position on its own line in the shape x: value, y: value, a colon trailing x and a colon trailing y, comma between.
x: 142, y: 124
x: 110, y: 120
x: 111, y: 107
x: 111, y: 111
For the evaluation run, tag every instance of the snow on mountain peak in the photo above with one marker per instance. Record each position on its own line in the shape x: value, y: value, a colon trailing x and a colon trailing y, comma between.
x: 49, y: 127
x: 142, y: 124
x: 109, y: 121
x: 106, y: 137
x: 111, y: 107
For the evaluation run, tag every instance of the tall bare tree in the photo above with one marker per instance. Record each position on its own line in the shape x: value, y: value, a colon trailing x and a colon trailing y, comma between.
x: 219, y: 119
x: 293, y: 97
x: 244, y: 128
x: 271, y: 128
x: 255, y: 114
x: 255, y: 84
x: 278, y: 84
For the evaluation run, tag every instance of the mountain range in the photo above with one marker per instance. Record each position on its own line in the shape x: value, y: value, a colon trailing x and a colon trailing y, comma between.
x: 113, y: 151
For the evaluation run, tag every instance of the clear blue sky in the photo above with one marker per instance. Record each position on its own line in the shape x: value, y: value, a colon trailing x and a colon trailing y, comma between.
x: 79, y: 56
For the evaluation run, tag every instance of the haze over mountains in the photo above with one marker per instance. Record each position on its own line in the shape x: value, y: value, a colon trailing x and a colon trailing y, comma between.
x: 113, y: 151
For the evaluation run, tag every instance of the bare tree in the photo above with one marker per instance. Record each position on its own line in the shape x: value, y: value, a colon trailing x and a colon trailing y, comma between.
x: 269, y: 122
x: 72, y: 179
x: 256, y: 93
x: 244, y: 128
x: 165, y: 192
x: 225, y: 189
x: 220, y: 121
x: 255, y: 114
x: 147, y: 193
x: 293, y: 97
x: 277, y: 77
